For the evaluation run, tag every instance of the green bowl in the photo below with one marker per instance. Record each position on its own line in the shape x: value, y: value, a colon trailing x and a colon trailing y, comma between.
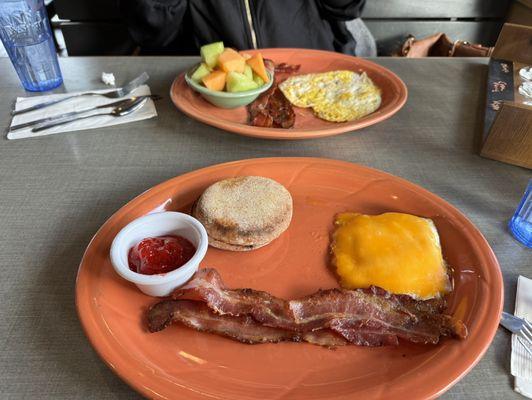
x: 226, y: 99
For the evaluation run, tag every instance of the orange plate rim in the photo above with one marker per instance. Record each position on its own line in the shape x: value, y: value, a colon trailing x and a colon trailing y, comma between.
x: 295, y: 133
x: 481, y: 342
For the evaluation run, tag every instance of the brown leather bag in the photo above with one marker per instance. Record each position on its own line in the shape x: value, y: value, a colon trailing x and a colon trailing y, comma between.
x: 439, y: 45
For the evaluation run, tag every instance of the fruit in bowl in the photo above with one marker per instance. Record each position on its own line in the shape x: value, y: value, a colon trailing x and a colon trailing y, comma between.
x: 227, y: 78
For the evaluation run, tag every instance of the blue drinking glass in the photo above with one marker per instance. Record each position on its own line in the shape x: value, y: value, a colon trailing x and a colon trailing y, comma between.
x: 521, y: 223
x: 26, y: 35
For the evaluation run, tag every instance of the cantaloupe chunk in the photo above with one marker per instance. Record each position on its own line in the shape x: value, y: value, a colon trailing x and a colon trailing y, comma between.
x: 230, y: 61
x: 215, y: 80
x: 256, y: 62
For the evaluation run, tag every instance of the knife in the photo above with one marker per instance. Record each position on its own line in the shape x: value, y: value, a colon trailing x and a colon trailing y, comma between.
x: 511, y: 322
x: 520, y: 327
x: 73, y: 113
x: 113, y: 94
x: 120, y: 111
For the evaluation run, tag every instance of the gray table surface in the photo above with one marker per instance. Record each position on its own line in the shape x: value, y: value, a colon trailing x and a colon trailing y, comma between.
x: 56, y: 191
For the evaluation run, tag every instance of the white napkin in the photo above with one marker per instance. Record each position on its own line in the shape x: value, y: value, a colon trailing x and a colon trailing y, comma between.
x: 79, y: 103
x: 521, y: 363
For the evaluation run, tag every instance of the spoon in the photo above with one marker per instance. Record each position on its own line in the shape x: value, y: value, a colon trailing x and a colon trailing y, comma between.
x: 120, y: 111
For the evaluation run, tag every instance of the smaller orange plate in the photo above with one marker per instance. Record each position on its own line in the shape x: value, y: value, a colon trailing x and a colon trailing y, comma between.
x: 394, y: 94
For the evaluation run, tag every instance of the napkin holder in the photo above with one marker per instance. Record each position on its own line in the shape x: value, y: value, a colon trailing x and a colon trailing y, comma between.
x: 508, y: 117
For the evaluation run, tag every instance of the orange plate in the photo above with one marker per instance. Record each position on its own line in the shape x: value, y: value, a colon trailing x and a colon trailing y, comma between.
x: 307, y: 126
x: 182, y: 363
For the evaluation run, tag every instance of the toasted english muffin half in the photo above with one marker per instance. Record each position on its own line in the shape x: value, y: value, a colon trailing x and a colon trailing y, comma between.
x: 244, y: 213
x: 233, y: 247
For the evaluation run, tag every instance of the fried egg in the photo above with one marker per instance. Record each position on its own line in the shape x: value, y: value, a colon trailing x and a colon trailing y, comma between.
x: 397, y: 252
x: 336, y: 96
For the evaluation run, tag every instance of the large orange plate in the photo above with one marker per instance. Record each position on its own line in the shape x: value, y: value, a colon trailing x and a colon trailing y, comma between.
x: 182, y: 363
x: 394, y: 95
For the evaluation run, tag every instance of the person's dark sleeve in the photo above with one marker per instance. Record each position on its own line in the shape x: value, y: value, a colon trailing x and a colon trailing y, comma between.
x: 153, y: 23
x: 341, y: 10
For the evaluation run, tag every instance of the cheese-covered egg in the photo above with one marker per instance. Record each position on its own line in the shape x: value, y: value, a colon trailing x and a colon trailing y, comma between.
x: 397, y: 252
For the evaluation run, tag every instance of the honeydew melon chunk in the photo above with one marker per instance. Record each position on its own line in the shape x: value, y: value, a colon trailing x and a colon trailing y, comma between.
x: 200, y: 72
x: 237, y: 82
x: 248, y: 71
x: 210, y: 52
x: 257, y: 79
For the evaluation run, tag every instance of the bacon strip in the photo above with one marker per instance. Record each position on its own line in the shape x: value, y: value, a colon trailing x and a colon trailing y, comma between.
x: 364, y: 316
x: 199, y: 316
x: 287, y: 68
x: 376, y: 311
x: 282, y: 67
x: 272, y: 109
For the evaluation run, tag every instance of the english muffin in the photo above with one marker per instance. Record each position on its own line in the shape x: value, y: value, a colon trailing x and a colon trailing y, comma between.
x: 244, y: 213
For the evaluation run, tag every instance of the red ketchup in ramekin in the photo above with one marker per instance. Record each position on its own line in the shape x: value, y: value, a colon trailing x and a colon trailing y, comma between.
x: 158, y: 255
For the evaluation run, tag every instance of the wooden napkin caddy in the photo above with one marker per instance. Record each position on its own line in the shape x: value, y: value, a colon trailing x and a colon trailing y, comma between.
x: 508, y: 117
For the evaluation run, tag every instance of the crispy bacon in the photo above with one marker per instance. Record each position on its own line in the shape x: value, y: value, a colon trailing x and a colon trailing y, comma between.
x: 376, y: 311
x: 287, y: 68
x: 272, y: 110
x: 364, y: 316
x: 258, y: 111
x: 245, y: 329
x: 207, y: 286
x: 281, y: 67
x: 281, y: 111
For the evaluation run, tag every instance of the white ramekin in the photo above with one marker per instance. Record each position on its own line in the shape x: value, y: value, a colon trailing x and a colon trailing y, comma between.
x: 152, y: 225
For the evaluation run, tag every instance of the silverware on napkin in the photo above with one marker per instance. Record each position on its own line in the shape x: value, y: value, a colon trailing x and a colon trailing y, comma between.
x: 519, y: 326
x: 113, y: 94
x: 119, y: 111
x: 122, y: 102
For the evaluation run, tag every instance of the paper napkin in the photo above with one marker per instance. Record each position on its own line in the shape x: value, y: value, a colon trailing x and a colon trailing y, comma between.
x: 521, y: 364
x: 78, y: 103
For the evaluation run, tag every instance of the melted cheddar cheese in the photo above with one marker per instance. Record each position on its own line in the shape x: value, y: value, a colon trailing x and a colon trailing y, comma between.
x: 398, y: 252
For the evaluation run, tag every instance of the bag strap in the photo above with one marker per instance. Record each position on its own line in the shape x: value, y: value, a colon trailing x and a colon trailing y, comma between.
x: 462, y: 48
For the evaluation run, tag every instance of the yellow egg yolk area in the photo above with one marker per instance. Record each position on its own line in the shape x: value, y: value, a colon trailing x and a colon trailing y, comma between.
x: 397, y: 252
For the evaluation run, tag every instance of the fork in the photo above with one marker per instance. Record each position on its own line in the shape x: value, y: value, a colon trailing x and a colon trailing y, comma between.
x: 58, y: 117
x: 519, y: 326
x: 113, y: 94
x: 120, y: 111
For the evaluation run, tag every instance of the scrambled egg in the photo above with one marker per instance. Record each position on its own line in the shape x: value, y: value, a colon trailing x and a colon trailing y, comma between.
x: 335, y: 96
x: 397, y: 252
